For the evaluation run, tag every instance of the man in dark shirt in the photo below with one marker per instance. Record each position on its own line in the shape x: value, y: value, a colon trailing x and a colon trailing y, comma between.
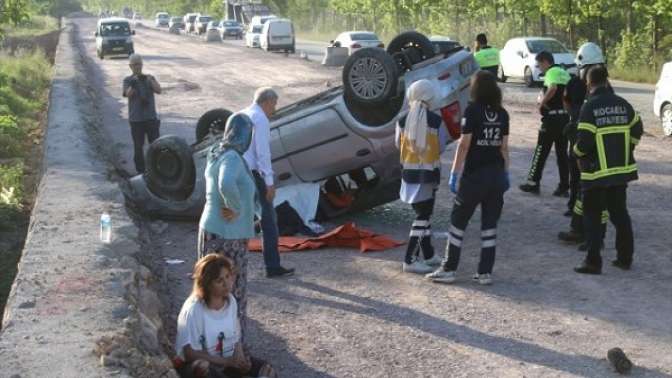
x: 140, y: 88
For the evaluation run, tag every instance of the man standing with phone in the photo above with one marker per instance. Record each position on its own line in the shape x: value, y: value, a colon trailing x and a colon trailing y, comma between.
x: 140, y: 88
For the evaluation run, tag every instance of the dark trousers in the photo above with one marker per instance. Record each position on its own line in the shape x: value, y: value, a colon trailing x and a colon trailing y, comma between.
x: 420, y: 237
x: 574, y: 179
x: 492, y: 69
x: 269, y: 226
x: 551, y: 135
x: 613, y: 199
x: 140, y: 130
x: 485, y: 188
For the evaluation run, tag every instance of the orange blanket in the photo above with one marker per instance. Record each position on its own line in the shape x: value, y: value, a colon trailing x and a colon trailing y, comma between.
x: 346, y: 235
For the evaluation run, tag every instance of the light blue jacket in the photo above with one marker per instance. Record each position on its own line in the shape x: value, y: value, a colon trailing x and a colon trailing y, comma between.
x: 229, y: 184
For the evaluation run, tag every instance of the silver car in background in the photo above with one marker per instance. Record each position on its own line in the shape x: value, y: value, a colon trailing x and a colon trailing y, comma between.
x: 345, y: 133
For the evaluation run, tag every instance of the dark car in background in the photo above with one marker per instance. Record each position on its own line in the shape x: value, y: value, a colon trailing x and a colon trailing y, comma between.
x: 230, y: 29
x: 175, y: 25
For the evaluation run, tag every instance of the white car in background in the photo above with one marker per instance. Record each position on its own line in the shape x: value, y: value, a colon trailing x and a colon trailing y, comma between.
x: 355, y: 40
x: 161, y: 19
x: 662, y: 101
x: 517, y: 58
x: 278, y: 34
x: 212, y: 32
x: 253, y: 34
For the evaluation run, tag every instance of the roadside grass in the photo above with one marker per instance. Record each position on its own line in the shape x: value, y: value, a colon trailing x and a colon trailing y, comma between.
x: 639, y: 75
x: 36, y: 25
x: 24, y: 85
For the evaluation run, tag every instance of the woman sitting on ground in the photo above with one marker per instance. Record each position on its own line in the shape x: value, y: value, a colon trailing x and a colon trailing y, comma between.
x: 208, y: 329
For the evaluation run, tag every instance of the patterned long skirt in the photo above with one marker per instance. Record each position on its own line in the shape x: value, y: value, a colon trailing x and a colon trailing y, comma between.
x: 236, y: 250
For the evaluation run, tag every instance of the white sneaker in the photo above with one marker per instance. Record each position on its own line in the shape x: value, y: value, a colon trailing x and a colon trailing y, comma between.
x: 434, y: 261
x: 483, y: 279
x: 417, y: 267
x: 441, y: 276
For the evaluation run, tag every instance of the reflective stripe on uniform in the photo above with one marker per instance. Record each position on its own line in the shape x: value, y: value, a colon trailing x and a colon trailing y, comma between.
x: 420, y: 223
x: 608, y: 172
x: 489, y: 243
x: 489, y: 232
x: 456, y: 231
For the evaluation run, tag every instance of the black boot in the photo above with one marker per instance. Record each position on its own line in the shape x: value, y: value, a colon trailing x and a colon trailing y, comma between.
x: 587, y: 268
x: 621, y: 264
x: 561, y: 191
x: 530, y: 188
x: 571, y: 236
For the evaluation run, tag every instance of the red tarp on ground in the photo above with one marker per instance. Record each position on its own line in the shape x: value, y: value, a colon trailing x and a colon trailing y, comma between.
x: 346, y: 235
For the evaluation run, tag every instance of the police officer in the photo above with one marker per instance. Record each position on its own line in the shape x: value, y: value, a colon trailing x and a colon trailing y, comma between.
x: 589, y: 55
x: 607, y: 133
x: 553, y: 120
x: 487, y: 57
x: 483, y: 158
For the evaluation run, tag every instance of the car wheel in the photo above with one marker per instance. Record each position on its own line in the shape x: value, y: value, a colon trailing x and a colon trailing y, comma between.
x: 414, y: 45
x: 528, y: 77
x: 169, y: 168
x: 212, y: 121
x: 666, y: 119
x: 370, y: 76
x: 500, y: 74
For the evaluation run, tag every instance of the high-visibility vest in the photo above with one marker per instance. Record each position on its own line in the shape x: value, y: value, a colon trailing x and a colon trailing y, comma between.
x: 487, y: 57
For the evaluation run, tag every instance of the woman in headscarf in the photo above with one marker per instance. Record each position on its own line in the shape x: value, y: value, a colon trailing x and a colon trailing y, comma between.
x: 227, y: 221
x: 421, y: 138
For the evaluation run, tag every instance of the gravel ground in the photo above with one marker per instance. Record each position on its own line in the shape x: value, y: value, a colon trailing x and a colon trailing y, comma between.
x: 348, y: 314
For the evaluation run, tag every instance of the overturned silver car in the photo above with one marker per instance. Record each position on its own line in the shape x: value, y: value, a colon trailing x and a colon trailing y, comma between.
x: 342, y: 138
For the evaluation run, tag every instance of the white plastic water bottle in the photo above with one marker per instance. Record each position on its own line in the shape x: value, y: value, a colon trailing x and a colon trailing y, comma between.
x: 105, y: 228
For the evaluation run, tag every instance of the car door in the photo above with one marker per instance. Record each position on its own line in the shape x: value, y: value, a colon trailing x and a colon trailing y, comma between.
x: 320, y: 145
x: 506, y: 58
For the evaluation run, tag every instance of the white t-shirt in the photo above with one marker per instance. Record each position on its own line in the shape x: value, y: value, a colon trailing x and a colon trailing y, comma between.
x: 197, y: 325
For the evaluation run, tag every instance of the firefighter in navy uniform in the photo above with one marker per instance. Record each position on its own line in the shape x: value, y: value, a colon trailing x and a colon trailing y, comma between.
x: 608, y: 131
x: 486, y: 56
x: 589, y: 56
x: 554, y: 118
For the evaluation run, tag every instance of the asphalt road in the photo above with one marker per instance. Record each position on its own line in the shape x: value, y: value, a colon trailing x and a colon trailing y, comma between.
x: 348, y: 314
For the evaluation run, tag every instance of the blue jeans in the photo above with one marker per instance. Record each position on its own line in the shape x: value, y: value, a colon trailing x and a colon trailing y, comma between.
x: 269, y: 226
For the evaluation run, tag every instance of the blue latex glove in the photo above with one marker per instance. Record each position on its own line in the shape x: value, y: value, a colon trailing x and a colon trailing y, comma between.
x: 452, y: 182
x: 507, y: 181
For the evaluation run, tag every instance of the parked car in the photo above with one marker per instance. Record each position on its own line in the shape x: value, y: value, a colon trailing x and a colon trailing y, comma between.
x: 212, y: 32
x: 345, y: 131
x: 230, y: 28
x: 189, y: 20
x: 355, y: 40
x: 517, y: 58
x: 252, y: 36
x: 114, y: 37
x: 278, y: 34
x: 260, y: 20
x: 662, y: 101
x: 443, y: 44
x: 162, y: 19
x: 175, y: 25
x: 137, y: 19
x: 202, y: 24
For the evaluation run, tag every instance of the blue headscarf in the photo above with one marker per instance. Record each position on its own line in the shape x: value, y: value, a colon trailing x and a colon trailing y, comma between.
x: 237, y: 136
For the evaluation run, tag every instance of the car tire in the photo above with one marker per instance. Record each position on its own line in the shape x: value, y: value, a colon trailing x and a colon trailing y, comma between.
x: 169, y: 168
x: 358, y: 83
x: 415, y: 45
x: 529, y: 77
x: 500, y: 74
x: 666, y: 119
x: 213, y: 121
